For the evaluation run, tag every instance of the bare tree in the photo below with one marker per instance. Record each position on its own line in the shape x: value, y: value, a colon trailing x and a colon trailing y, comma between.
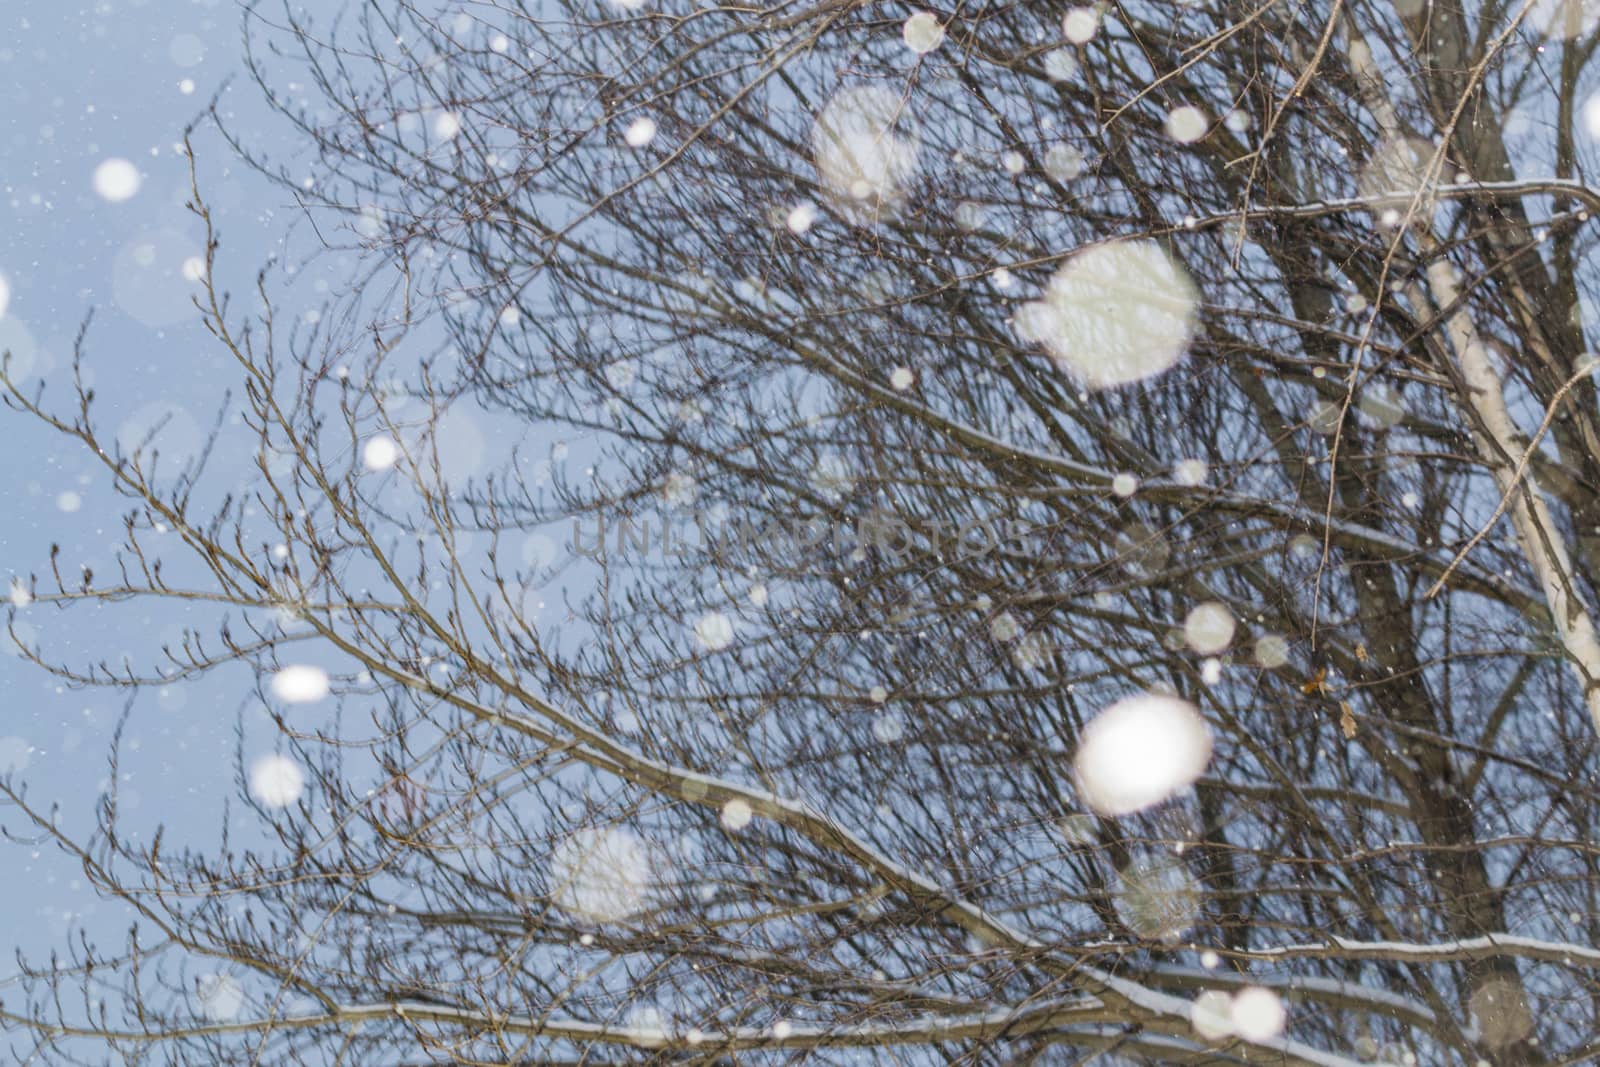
x: 1075, y: 530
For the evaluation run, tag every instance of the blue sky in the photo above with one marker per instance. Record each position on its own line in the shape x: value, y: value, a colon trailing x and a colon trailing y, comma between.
x: 84, y: 83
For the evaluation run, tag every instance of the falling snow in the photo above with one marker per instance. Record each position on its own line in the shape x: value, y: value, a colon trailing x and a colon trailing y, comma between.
x: 276, y: 781
x: 922, y: 32
x: 300, y: 684
x: 1140, y: 751
x: 603, y: 875
x: 1114, y: 314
